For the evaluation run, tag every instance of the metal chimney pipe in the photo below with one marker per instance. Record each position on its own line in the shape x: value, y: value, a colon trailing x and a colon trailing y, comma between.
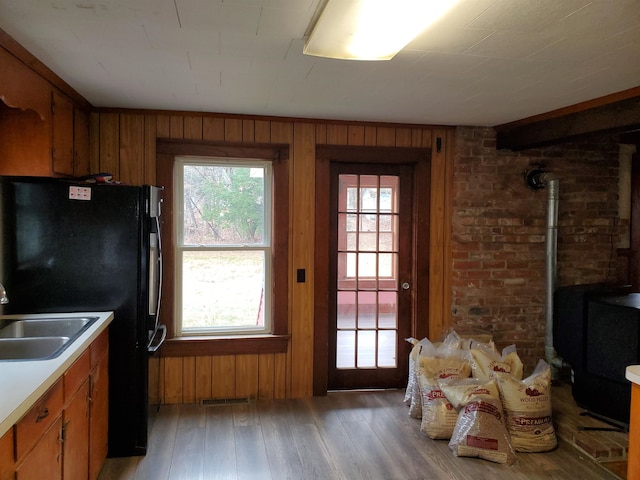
x: 538, y: 179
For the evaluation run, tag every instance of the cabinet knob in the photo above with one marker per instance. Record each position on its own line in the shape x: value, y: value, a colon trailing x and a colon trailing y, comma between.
x: 42, y: 414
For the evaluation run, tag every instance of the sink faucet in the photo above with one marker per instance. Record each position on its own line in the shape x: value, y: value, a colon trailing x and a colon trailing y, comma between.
x: 3, y: 295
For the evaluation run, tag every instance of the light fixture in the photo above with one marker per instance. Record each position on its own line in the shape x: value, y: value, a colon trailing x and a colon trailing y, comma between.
x: 370, y: 29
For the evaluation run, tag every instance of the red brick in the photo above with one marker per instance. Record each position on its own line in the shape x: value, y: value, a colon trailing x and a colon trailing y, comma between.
x: 499, y: 222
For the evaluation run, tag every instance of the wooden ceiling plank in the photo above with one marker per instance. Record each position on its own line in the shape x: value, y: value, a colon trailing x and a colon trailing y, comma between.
x: 616, y: 117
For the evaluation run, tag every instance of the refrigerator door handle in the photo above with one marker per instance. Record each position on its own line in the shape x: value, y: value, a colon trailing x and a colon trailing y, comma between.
x: 155, y: 271
x: 154, y: 275
x: 159, y: 294
x: 155, y: 286
x: 153, y: 348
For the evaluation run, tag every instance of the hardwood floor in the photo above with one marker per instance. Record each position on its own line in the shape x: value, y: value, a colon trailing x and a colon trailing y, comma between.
x: 345, y: 436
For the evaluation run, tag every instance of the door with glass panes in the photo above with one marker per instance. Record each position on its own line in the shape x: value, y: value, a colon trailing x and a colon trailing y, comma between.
x: 370, y: 294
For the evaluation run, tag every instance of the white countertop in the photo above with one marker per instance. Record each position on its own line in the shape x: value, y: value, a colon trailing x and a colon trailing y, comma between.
x: 22, y: 383
x: 633, y: 374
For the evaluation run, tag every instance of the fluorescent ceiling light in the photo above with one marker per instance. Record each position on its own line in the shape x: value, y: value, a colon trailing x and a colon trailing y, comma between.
x: 371, y: 29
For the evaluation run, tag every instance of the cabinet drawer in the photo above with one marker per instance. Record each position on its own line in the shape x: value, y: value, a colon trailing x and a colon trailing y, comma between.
x: 75, y: 375
x: 99, y: 347
x: 38, y: 419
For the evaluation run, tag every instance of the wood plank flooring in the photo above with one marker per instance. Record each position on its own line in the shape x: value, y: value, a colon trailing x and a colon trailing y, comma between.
x: 343, y: 436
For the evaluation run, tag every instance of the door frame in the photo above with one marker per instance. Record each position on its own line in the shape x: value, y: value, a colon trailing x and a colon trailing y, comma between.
x: 421, y: 157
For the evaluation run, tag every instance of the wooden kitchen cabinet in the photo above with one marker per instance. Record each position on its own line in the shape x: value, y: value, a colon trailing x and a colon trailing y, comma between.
x: 40, y: 127
x: 99, y: 399
x: 81, y: 162
x: 75, y: 465
x: 7, y: 458
x: 75, y: 427
x: 38, y: 441
x: 61, y: 134
x: 38, y: 419
x: 45, y: 460
x: 65, y: 433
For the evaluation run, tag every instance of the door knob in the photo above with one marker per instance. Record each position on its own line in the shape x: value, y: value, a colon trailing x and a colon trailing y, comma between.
x: 405, y: 285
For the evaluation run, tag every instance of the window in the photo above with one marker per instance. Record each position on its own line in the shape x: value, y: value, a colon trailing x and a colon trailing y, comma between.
x: 223, y: 246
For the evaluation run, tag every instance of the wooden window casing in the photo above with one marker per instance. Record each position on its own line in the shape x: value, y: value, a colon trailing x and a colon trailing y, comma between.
x: 275, y: 342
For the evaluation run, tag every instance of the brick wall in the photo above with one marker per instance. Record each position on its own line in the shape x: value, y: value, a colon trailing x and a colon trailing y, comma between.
x: 498, y: 237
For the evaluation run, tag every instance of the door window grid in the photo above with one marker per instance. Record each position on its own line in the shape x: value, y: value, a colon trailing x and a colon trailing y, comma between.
x: 367, y: 283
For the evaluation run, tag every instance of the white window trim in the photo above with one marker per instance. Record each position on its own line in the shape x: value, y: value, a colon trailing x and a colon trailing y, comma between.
x: 179, y: 247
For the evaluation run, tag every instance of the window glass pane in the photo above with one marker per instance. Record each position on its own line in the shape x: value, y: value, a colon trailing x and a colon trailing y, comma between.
x: 367, y: 264
x: 346, y: 309
x: 222, y: 289
x: 223, y: 205
x: 223, y: 254
x: 348, y: 202
x: 350, y: 263
x: 346, y: 344
x: 367, y: 241
x: 366, y: 348
x: 386, y: 200
x: 389, y: 194
x: 347, y: 231
x: 387, y: 265
x: 367, y: 309
x: 387, y: 348
x: 369, y: 200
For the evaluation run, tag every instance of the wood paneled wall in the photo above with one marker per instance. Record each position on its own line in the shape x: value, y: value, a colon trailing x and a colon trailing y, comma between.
x: 124, y: 143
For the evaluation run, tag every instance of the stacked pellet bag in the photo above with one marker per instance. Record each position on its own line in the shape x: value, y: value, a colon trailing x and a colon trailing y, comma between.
x: 413, y: 378
x: 527, y: 405
x: 480, y: 429
x: 426, y: 349
x: 485, y: 360
x: 438, y: 363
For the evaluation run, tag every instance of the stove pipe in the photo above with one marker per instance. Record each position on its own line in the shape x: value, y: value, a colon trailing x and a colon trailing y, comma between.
x: 538, y: 179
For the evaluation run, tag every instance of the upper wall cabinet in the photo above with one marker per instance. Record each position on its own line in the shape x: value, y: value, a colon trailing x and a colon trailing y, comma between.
x: 61, y: 134
x: 42, y: 131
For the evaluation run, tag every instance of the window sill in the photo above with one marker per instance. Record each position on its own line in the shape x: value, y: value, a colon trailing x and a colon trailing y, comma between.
x: 228, y: 345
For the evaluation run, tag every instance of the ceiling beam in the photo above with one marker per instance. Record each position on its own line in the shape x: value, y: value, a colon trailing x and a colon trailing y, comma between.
x: 590, y: 118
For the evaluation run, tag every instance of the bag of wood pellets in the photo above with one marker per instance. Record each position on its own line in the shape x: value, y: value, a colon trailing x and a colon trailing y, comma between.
x: 438, y: 415
x: 480, y: 430
x: 412, y: 395
x: 411, y: 381
x: 527, y: 405
x: 469, y: 336
x: 485, y: 360
x: 435, y: 359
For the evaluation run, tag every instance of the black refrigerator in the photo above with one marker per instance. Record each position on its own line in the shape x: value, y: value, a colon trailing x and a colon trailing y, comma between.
x: 70, y: 246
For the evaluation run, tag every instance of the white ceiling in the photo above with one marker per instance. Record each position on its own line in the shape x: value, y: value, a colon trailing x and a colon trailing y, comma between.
x: 488, y: 62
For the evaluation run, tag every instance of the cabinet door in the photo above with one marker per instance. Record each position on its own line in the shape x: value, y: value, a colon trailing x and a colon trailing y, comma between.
x: 45, y: 460
x: 81, y: 164
x: 99, y: 417
x: 61, y: 134
x: 75, y: 459
x: 6, y: 456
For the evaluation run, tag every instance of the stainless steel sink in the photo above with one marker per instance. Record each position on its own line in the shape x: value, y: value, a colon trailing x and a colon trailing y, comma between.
x: 40, y: 338
x: 31, y: 348
x: 46, y: 327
